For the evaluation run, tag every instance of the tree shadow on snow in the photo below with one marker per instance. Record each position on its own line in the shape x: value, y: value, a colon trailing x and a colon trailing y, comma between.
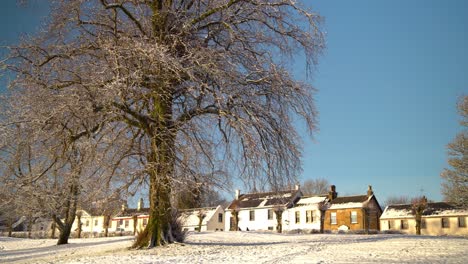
x: 33, y: 253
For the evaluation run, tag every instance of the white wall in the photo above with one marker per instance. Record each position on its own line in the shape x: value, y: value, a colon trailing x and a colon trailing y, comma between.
x: 315, y: 224
x: 433, y: 226
x: 213, y: 224
x: 261, y: 221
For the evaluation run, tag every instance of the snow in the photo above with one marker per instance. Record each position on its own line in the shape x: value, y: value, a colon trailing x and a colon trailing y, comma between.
x: 311, y: 200
x: 404, y: 213
x: 244, y: 247
x: 346, y: 205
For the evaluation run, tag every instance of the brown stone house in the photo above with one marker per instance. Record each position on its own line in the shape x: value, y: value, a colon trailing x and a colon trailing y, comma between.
x: 360, y: 212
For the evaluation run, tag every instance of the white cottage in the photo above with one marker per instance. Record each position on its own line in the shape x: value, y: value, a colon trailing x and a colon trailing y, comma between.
x: 307, y: 213
x: 212, y: 219
x: 256, y: 211
x: 90, y: 222
x: 437, y: 219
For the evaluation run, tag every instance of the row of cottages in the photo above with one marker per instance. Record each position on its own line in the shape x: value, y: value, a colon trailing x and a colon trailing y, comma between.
x: 135, y: 220
x: 263, y: 211
x: 126, y: 220
x: 437, y: 219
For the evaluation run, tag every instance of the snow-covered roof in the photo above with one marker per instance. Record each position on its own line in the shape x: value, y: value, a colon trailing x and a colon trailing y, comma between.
x: 346, y: 205
x: 311, y: 200
x: 432, y: 210
x: 344, y: 202
x: 267, y: 199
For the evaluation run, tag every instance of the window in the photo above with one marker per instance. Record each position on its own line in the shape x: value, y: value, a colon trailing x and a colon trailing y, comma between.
x: 220, y: 217
x: 145, y: 222
x: 404, y: 224
x: 353, y: 217
x: 445, y: 223
x: 127, y: 223
x: 298, y: 217
x: 252, y: 215
x: 120, y: 222
x: 461, y: 221
x: 423, y: 223
x: 87, y: 223
x: 333, y: 218
x: 270, y: 228
x: 95, y: 222
x: 391, y: 224
x: 270, y: 214
x: 309, y: 216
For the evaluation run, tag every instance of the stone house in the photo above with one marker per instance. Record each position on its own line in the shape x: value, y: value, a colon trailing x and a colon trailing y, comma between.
x: 360, y: 212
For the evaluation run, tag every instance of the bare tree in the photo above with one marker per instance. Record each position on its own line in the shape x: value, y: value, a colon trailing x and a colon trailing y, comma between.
x: 175, y: 89
x: 418, y: 205
x: 396, y: 200
x: 201, y: 215
x: 278, y: 210
x: 455, y: 184
x: 315, y: 186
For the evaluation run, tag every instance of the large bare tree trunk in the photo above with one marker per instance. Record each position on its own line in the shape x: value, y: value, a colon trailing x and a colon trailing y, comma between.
x: 106, y: 225
x: 160, y: 170
x: 70, y: 214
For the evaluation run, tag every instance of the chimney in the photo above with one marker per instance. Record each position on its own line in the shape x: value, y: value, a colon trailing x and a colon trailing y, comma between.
x: 140, y: 204
x: 369, y: 191
x: 332, y: 194
x: 297, y: 187
x: 237, y: 194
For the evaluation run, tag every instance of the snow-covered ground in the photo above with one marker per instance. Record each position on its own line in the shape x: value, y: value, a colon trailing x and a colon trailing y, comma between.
x: 244, y: 247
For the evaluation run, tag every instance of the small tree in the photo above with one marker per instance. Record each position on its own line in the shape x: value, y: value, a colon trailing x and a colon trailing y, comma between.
x: 235, y: 219
x: 455, y: 184
x: 279, y: 217
x: 418, y: 205
x: 201, y: 215
x: 135, y: 224
x: 80, y: 225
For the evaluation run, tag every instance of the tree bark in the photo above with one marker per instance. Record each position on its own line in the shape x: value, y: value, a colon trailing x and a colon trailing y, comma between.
x: 30, y: 223
x: 135, y: 224
x: 70, y: 214
x: 10, y: 227
x: 418, y: 224
x: 279, y: 219
x: 160, y: 170
x: 78, y: 219
x: 106, y: 225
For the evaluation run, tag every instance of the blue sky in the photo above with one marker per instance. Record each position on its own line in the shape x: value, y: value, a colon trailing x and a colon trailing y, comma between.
x: 387, y: 88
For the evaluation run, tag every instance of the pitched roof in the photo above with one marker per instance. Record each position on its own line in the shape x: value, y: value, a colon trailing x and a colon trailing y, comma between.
x: 432, y: 209
x: 312, y: 200
x: 133, y: 211
x: 190, y: 216
x: 267, y: 199
x: 349, y: 202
